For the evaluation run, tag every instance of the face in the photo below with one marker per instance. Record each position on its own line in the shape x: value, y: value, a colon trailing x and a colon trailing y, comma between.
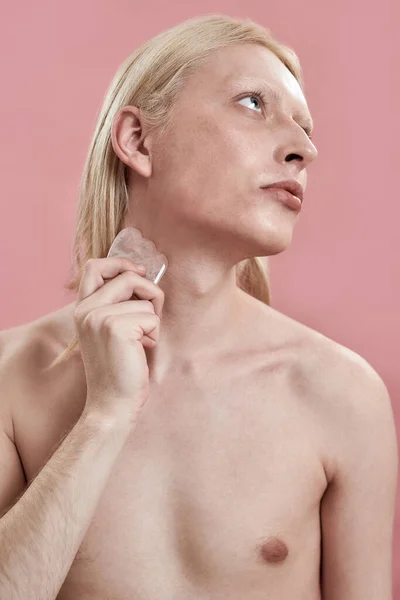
x: 224, y: 142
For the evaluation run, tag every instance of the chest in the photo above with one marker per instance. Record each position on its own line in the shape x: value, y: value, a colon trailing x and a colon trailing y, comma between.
x: 217, y: 483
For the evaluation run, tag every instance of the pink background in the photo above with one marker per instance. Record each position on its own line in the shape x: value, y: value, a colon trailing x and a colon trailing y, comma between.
x: 341, y: 273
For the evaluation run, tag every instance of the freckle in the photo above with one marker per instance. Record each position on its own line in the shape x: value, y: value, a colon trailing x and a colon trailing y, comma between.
x: 273, y: 550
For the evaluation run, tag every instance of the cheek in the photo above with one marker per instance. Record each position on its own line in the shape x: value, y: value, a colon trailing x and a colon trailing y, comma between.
x: 209, y: 166
x: 214, y: 155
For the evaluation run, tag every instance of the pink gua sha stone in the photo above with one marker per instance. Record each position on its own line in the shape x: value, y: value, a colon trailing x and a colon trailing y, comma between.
x: 130, y: 243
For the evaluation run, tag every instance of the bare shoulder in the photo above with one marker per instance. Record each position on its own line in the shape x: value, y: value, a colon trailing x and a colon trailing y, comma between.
x: 339, y: 373
x: 25, y: 352
x: 331, y: 366
x: 35, y: 343
x: 346, y: 393
x: 18, y: 346
x: 341, y: 392
x: 324, y: 364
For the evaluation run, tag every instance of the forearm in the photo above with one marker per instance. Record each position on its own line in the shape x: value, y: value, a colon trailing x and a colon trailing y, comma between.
x: 41, y: 534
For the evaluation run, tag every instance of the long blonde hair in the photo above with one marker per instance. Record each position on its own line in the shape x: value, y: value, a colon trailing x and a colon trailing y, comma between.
x: 150, y: 78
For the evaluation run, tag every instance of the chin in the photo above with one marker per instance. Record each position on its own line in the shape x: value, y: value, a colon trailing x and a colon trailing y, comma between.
x: 271, y: 250
x: 269, y: 243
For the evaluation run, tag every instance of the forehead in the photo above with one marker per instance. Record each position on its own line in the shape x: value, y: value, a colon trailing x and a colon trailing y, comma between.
x: 240, y: 67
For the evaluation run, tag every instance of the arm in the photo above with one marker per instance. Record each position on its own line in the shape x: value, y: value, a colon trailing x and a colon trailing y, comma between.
x: 42, y: 532
x: 357, y: 509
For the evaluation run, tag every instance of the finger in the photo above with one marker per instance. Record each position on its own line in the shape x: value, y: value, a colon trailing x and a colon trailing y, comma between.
x: 139, y: 325
x: 98, y: 270
x: 129, y: 307
x: 121, y: 289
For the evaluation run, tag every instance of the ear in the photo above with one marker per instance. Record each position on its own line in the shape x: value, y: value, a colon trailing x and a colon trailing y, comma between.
x: 129, y: 140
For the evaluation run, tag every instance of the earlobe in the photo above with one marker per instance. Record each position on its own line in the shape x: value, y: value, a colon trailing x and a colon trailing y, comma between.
x: 129, y: 141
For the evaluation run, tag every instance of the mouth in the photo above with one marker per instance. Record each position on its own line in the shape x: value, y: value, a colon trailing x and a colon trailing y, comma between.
x: 290, y: 185
x: 285, y: 197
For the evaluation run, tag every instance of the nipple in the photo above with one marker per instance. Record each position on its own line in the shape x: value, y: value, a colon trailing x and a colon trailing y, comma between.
x: 274, y: 550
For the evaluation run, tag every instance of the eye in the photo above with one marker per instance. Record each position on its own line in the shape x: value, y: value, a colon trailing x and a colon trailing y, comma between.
x: 258, y: 95
x: 261, y: 99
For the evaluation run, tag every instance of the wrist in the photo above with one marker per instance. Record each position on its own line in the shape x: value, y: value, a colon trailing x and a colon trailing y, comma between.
x: 106, y: 422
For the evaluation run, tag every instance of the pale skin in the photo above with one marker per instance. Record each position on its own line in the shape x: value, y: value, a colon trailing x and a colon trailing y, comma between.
x: 264, y: 463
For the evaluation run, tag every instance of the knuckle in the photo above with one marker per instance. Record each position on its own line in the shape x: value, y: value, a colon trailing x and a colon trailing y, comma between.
x: 90, y: 321
x: 89, y: 264
x: 127, y: 262
x: 129, y: 276
x: 149, y: 305
x: 109, y: 323
x: 131, y: 281
x: 79, y: 314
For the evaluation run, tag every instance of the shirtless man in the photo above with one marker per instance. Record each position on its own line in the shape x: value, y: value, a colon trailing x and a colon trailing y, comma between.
x: 240, y: 454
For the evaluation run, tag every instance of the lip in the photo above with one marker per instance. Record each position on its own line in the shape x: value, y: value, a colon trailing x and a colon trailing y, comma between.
x: 291, y: 185
x: 286, y: 197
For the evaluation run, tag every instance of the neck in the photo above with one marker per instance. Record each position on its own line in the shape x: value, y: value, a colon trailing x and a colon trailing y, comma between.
x: 202, y: 301
x: 201, y: 308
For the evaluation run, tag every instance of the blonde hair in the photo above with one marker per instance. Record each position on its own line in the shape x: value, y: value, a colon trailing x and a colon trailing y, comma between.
x: 150, y: 78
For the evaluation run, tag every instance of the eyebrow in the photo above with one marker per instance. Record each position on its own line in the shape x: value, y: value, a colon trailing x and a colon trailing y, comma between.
x: 276, y: 94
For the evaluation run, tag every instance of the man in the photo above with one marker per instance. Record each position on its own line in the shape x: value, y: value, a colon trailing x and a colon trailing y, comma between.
x: 264, y: 460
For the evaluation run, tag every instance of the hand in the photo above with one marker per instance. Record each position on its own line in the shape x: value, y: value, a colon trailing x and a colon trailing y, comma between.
x: 113, y: 330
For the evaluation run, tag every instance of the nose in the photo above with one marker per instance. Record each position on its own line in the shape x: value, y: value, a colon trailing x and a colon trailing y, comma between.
x: 302, y: 150
x: 293, y: 143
